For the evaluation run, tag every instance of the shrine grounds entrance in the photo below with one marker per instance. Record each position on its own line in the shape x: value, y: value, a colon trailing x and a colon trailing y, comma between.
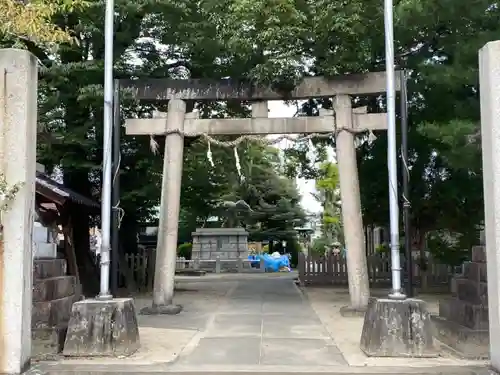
x: 343, y: 122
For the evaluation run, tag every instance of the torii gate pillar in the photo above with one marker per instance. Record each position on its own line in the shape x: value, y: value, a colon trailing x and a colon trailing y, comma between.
x: 359, y: 289
x: 166, y: 249
x: 489, y: 83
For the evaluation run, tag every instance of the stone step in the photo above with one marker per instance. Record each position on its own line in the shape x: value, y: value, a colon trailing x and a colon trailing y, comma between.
x: 472, y: 291
x: 47, y: 268
x: 479, y: 254
x: 48, y: 341
x: 464, y: 313
x: 475, y: 271
x: 54, y: 288
x: 470, y: 343
x: 46, y: 314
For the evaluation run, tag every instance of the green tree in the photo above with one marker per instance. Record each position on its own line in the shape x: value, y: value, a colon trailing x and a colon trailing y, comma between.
x: 444, y: 157
x: 32, y: 21
x: 272, y: 197
x: 328, y: 194
x: 273, y: 42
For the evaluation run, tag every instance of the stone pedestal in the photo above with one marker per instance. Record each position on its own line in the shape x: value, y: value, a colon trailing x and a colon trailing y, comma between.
x: 18, y: 102
x: 397, y: 328
x: 462, y: 323
x: 102, y: 328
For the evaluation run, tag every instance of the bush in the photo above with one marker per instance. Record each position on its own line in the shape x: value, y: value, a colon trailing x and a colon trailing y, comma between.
x: 319, y: 246
x: 446, y: 249
x: 382, y: 249
x: 184, y: 250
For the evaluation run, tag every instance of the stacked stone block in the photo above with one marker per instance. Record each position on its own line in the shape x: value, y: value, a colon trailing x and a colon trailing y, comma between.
x: 53, y: 296
x: 227, y: 244
x: 462, y: 323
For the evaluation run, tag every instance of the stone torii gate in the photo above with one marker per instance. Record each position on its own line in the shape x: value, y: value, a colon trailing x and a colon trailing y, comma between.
x: 345, y: 120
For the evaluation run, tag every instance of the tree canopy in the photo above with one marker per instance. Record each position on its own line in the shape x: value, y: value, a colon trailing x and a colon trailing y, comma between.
x: 32, y: 21
x: 269, y: 42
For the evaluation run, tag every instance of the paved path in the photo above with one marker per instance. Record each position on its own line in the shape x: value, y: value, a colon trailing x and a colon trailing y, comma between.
x: 262, y: 321
x: 246, y: 324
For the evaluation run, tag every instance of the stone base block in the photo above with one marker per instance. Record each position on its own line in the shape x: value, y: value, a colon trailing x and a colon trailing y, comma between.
x: 53, y: 288
x: 45, y: 268
x: 47, y: 314
x: 465, y: 313
x: 47, y: 341
x: 397, y: 328
x: 467, y: 343
x: 476, y: 271
x: 479, y: 254
x: 472, y: 291
x: 102, y: 328
x: 161, y: 310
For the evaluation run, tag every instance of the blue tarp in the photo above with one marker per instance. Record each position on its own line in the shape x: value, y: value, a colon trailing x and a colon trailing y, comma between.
x: 270, y: 263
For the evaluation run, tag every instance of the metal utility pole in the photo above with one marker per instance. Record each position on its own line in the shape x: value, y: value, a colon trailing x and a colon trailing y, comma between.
x: 107, y: 150
x: 406, y: 180
x: 391, y: 152
x: 115, y: 235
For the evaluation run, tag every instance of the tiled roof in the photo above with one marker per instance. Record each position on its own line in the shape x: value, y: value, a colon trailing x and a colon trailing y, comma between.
x: 42, y: 180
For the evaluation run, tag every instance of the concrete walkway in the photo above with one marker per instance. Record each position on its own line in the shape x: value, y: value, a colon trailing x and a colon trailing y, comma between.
x: 263, y: 321
x: 254, y: 323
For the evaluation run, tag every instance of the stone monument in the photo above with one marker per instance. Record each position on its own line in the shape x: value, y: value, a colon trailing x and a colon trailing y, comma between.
x: 225, y: 243
x: 462, y: 323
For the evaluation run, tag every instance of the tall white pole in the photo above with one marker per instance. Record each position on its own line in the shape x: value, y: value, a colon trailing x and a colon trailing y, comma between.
x: 107, y: 149
x: 391, y: 151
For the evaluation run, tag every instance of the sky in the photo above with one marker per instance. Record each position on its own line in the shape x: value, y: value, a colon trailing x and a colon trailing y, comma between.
x: 278, y: 108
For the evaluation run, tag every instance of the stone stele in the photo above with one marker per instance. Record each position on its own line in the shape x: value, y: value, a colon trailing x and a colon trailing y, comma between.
x: 397, y: 328
x: 102, y: 328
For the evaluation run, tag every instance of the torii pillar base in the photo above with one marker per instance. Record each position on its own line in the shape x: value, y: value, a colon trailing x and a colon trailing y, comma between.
x: 161, y: 310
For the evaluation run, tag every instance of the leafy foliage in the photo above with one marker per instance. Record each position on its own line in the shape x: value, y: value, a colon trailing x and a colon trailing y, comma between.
x: 185, y: 250
x: 328, y: 195
x: 32, y: 20
x: 271, y: 42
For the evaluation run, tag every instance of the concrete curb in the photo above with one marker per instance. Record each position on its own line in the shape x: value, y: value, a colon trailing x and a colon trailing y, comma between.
x: 67, y: 369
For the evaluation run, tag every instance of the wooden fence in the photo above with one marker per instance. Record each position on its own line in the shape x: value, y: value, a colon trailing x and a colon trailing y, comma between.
x: 332, y: 270
x: 137, y: 270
